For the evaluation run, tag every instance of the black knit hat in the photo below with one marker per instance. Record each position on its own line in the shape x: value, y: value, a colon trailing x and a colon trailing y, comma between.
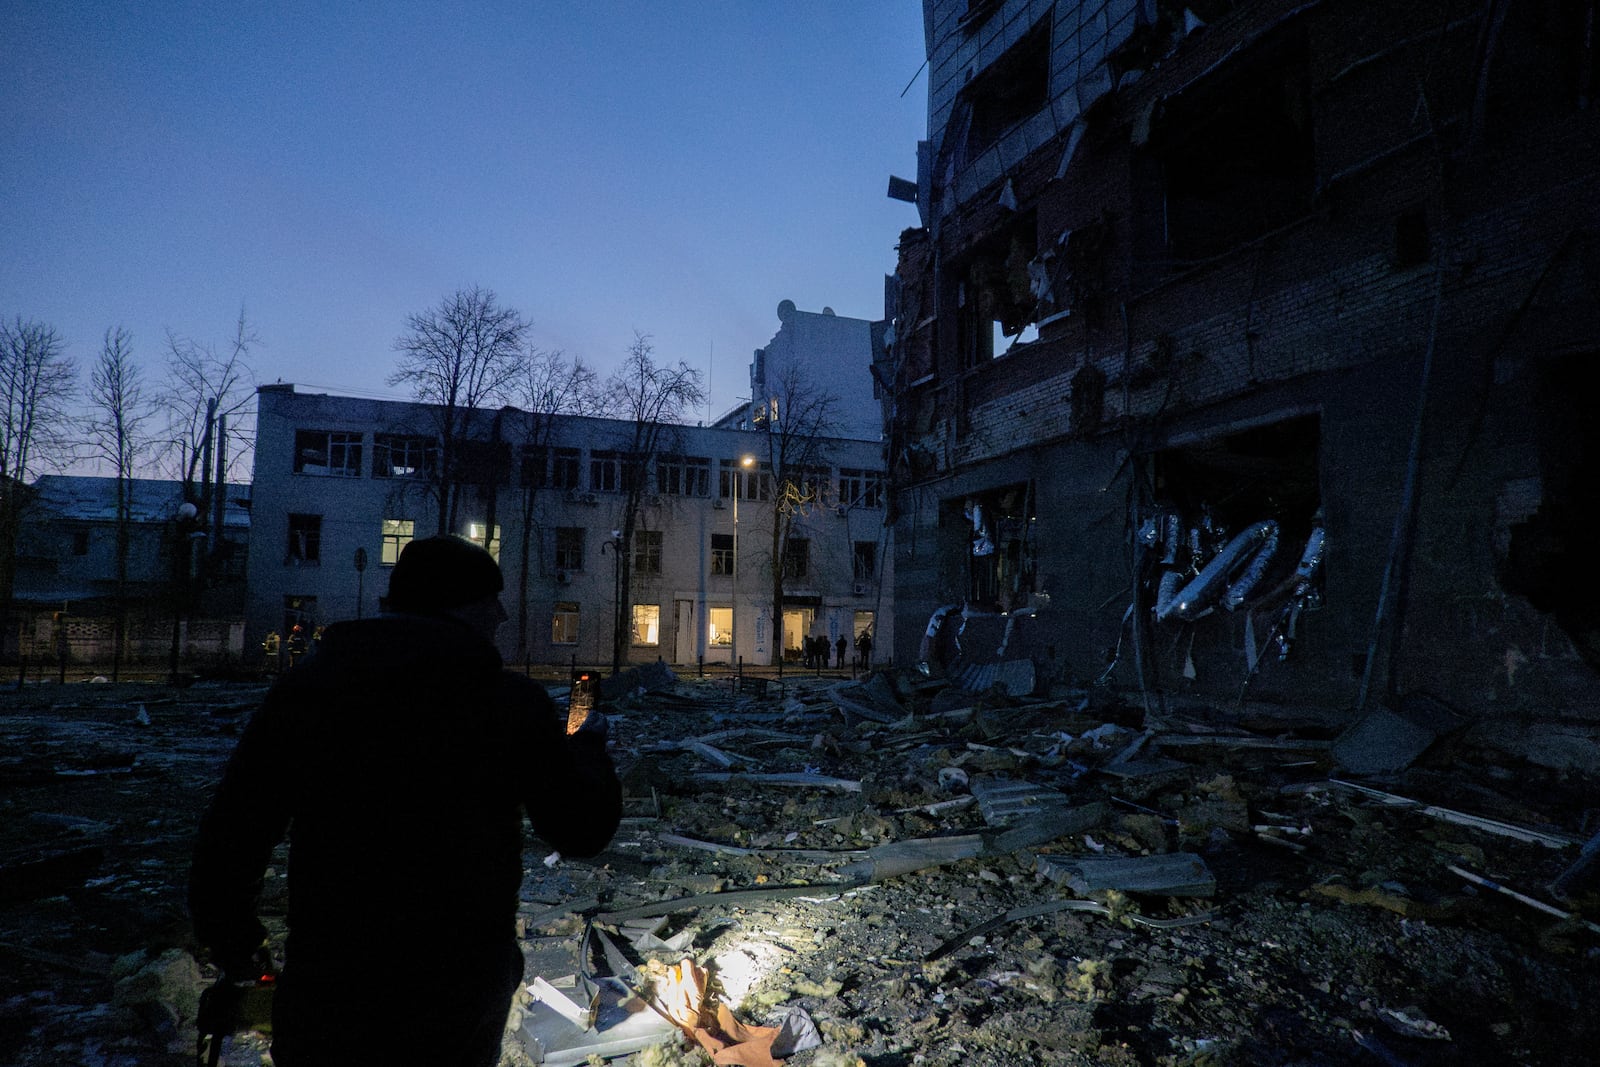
x: 437, y: 574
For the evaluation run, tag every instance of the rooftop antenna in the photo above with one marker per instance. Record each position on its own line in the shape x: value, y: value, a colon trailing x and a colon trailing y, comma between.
x: 711, y: 361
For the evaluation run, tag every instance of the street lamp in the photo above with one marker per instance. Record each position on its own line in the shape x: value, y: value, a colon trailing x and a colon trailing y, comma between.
x: 745, y: 463
x: 615, y: 544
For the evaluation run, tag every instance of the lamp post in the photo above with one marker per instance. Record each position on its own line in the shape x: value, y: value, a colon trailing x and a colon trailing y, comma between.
x: 184, y: 546
x: 745, y: 463
x: 615, y: 544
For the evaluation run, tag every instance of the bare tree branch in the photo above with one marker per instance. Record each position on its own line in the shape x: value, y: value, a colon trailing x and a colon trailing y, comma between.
x: 465, y: 354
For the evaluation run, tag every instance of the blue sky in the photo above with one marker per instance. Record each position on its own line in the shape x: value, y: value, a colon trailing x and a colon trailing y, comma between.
x: 669, y: 167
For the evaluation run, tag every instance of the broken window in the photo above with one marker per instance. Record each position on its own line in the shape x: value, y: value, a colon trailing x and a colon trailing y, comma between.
x: 797, y: 557
x: 335, y: 453
x: 475, y: 532
x: 721, y: 553
x: 569, y: 548
x: 1236, y: 152
x: 80, y: 541
x: 564, y: 467
x: 403, y: 456
x: 1010, y: 90
x: 859, y: 488
x: 865, y: 561
x: 1000, y: 549
x: 605, y: 472
x: 305, y: 538
x: 1249, y: 502
x: 564, y: 623
x: 994, y: 294
x: 396, y: 534
x: 683, y: 475
x: 534, y: 471
x: 647, y: 552
x: 647, y: 624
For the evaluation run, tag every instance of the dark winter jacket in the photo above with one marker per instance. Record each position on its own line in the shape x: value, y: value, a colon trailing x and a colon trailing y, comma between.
x: 400, y: 759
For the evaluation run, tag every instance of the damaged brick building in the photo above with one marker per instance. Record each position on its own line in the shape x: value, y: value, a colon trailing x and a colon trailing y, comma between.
x: 1244, y: 349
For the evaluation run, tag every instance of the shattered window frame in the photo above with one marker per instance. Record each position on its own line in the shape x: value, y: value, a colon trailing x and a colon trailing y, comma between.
x: 338, y: 450
x: 395, y: 534
x: 566, y: 466
x: 533, y: 471
x: 797, y: 557
x: 860, y: 487
x: 646, y: 629
x: 864, y: 560
x: 305, y: 538
x: 647, y: 551
x: 722, y: 554
x: 605, y: 472
x: 569, y: 542
x: 1007, y: 93
x: 564, y: 619
x: 397, y: 455
x: 683, y: 475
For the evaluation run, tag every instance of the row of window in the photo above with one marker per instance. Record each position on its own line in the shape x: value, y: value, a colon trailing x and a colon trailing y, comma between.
x: 338, y: 454
x: 305, y: 546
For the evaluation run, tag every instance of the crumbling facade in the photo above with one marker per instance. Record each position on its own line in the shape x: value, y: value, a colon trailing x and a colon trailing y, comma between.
x: 342, y: 484
x: 1241, y: 349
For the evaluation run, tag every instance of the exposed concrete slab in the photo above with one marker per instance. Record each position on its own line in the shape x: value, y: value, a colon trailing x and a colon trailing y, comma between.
x: 1173, y: 874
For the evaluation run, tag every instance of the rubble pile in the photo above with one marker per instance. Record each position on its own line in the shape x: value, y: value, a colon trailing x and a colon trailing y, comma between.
x: 896, y: 870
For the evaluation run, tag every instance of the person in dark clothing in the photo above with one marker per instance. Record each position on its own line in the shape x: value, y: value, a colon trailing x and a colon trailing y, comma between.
x: 864, y: 648
x: 840, y: 646
x: 400, y: 759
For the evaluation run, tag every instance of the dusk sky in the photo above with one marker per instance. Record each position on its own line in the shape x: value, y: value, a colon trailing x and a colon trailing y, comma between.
x: 668, y: 167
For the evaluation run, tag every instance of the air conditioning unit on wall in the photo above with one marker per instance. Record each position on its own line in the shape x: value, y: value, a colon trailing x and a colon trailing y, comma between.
x: 563, y: 577
x: 859, y: 589
x: 720, y: 504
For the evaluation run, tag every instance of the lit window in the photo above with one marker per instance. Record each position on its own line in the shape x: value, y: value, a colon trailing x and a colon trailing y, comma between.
x: 397, y: 533
x: 564, y: 623
x: 721, y: 620
x: 475, y: 532
x: 647, y: 624
x: 334, y: 453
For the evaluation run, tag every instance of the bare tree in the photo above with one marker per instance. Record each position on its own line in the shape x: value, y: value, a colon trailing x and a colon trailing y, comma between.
x: 652, y: 399
x: 36, y: 385
x: 550, y: 388
x: 116, y: 428
x: 464, y: 354
x: 207, y: 398
x: 800, y: 421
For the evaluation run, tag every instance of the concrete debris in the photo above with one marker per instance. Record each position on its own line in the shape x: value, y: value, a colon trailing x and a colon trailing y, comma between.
x: 1016, y: 678
x: 1174, y: 874
x: 1386, y: 740
x: 857, y: 874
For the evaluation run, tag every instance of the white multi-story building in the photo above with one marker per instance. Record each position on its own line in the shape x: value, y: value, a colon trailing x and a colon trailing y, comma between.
x: 342, y: 484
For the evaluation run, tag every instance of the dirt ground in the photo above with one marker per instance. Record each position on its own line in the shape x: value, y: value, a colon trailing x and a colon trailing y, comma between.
x: 1325, y: 926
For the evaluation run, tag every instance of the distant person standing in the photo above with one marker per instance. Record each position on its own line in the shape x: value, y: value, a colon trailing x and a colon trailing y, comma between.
x: 402, y: 741
x: 864, y: 648
x: 839, y: 648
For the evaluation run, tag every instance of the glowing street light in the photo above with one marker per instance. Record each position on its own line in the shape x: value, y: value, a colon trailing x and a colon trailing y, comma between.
x: 745, y: 463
